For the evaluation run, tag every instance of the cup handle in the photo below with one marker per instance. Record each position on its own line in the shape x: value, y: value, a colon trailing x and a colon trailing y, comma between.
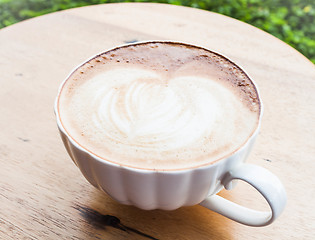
x: 265, y: 182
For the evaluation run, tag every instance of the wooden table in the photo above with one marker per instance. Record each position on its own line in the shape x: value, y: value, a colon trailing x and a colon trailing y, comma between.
x: 44, y: 196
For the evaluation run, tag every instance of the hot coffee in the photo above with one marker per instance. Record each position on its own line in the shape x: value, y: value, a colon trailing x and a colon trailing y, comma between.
x: 159, y: 105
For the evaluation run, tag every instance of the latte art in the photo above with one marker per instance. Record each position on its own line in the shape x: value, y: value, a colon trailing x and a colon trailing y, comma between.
x: 147, y: 118
x: 150, y: 114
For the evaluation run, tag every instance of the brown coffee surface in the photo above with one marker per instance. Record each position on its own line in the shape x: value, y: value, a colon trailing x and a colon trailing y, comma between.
x: 159, y: 105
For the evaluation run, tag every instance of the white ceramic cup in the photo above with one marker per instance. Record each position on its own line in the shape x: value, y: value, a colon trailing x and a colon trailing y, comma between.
x: 169, y: 190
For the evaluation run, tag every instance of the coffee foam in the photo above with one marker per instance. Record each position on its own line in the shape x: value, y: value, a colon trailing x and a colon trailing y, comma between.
x: 159, y: 106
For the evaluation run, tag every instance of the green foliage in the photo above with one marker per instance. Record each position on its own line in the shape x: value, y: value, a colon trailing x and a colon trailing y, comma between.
x: 293, y: 21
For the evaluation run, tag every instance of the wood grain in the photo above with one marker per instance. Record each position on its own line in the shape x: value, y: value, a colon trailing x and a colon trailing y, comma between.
x: 42, y: 193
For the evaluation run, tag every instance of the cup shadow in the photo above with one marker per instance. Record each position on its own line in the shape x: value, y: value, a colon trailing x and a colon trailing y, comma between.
x: 195, y: 222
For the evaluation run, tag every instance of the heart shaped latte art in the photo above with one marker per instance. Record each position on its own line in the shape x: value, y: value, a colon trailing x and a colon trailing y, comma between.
x: 137, y: 113
x: 137, y: 108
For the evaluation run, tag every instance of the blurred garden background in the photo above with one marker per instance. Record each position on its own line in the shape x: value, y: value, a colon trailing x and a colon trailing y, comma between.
x: 292, y: 21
